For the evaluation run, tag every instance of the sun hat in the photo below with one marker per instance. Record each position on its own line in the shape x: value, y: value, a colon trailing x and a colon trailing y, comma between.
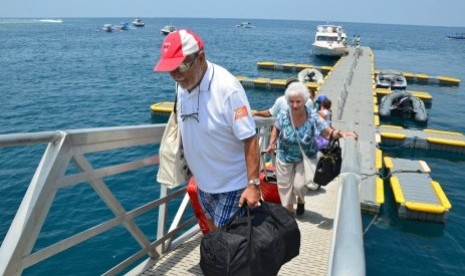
x: 176, y: 47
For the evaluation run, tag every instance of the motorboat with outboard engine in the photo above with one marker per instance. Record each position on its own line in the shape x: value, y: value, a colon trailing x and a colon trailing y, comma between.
x: 310, y: 75
x: 108, y: 27
x: 167, y: 29
x: 138, y: 22
x: 394, y: 80
x: 124, y: 26
x: 405, y: 104
x: 244, y: 25
x: 457, y: 36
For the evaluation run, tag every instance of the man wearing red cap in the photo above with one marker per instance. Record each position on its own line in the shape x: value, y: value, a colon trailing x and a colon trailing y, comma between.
x: 217, y: 128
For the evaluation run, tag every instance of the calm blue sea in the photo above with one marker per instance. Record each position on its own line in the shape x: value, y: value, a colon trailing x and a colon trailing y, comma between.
x: 69, y: 75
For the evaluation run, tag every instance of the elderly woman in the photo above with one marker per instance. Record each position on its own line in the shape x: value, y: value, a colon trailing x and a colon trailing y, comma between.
x: 298, y: 122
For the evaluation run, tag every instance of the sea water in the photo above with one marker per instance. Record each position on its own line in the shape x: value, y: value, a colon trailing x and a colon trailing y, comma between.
x: 72, y: 75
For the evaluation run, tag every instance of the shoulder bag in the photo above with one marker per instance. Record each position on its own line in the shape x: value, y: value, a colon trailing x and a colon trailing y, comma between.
x: 173, y: 170
x: 329, y: 164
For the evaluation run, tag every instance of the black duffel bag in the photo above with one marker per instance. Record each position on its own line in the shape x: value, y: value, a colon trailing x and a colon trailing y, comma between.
x: 329, y: 164
x: 258, y: 244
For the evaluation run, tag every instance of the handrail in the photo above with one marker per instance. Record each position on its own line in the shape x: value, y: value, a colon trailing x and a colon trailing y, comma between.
x: 347, y: 252
x: 15, y: 139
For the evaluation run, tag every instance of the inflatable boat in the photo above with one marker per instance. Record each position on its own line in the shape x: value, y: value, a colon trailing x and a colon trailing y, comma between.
x: 310, y: 75
x: 391, y: 79
x: 405, y: 104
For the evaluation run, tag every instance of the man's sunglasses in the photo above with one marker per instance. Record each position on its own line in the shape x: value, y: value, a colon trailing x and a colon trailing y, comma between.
x: 184, y: 66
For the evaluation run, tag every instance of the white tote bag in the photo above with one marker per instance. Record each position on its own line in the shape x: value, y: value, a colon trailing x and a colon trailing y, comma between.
x: 309, y: 168
x: 173, y: 170
x: 309, y: 164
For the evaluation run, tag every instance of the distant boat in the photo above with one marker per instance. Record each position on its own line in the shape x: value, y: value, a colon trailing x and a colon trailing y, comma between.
x: 330, y: 40
x: 457, y: 36
x: 123, y: 27
x: 51, y: 20
x: 167, y: 29
x: 138, y: 22
x: 107, y: 28
x: 245, y: 25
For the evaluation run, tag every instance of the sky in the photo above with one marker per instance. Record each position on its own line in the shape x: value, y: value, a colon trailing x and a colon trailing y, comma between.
x: 404, y: 12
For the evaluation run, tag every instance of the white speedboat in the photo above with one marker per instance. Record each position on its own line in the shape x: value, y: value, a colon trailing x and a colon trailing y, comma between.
x: 167, y: 29
x: 330, y: 40
x: 394, y: 80
x: 107, y: 28
x: 138, y: 22
x: 51, y: 20
x: 244, y: 25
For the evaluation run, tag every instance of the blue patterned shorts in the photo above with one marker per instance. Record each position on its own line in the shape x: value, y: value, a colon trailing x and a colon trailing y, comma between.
x: 220, y: 207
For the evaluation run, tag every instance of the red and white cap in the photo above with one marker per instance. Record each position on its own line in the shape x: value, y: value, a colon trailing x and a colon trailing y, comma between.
x: 176, y: 47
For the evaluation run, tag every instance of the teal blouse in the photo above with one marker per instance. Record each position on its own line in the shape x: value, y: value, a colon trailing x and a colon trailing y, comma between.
x: 288, y: 149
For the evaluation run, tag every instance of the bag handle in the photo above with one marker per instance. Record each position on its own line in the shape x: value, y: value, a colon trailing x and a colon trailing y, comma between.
x: 297, y: 134
x: 236, y: 220
x: 263, y: 163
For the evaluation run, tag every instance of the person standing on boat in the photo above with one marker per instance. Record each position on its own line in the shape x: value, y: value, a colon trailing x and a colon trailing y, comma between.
x: 303, y: 123
x: 217, y: 128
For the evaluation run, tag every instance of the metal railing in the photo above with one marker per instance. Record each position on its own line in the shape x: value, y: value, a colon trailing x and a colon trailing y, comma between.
x: 72, y: 146
x: 347, y: 252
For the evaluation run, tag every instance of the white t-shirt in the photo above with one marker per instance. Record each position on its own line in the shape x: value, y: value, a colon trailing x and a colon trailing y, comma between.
x: 213, y: 145
x: 281, y: 104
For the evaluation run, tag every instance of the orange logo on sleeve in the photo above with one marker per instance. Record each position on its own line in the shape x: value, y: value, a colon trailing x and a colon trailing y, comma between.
x: 240, y: 113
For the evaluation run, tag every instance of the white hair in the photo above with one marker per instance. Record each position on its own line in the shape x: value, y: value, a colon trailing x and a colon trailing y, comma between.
x: 297, y: 89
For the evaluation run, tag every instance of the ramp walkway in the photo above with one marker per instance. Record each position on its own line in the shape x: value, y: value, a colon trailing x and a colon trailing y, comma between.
x: 350, y: 86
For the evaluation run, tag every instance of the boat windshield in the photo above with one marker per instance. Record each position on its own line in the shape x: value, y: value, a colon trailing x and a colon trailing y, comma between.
x: 327, y: 38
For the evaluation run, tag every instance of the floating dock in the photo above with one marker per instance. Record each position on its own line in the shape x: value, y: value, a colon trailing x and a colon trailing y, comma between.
x: 426, y: 79
x: 417, y: 196
x: 428, y: 139
x: 270, y: 84
x: 293, y: 67
x: 163, y: 109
